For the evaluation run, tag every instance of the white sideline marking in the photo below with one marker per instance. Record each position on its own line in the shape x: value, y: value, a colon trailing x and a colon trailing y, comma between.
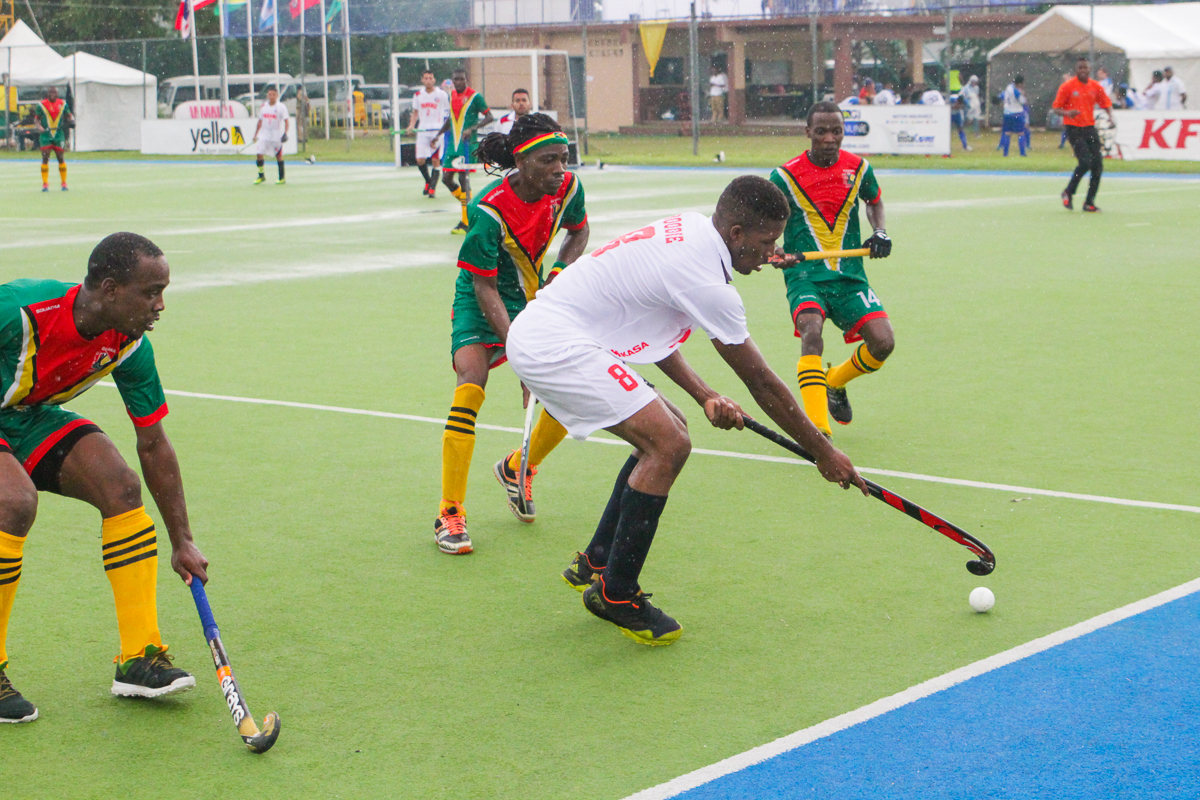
x: 839, y: 723
x: 1094, y: 498
x: 319, y: 269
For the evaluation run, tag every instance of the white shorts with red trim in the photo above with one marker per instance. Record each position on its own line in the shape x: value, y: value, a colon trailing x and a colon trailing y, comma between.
x: 584, y: 386
x: 429, y: 144
x: 269, y: 147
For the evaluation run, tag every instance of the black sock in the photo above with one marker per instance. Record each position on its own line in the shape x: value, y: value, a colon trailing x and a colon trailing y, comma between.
x: 597, y: 551
x: 631, y: 543
x: 424, y: 172
x: 280, y: 165
x: 259, y: 161
x: 437, y: 173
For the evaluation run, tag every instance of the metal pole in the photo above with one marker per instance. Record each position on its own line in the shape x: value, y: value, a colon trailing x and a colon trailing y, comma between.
x: 250, y: 55
x: 275, y: 36
x: 7, y: 97
x: 346, y: 60
x: 585, y: 89
x: 195, y: 52
x: 1091, y: 35
x: 325, y: 69
x: 224, y: 65
x: 818, y: 69
x: 695, y: 80
x: 946, y: 49
x: 143, y: 79
x: 571, y: 97
x: 303, y: 42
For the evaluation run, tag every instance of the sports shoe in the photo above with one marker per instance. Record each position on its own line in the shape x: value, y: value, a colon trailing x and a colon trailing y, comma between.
x: 281, y: 182
x: 14, y: 707
x: 64, y: 187
x: 45, y: 187
x: 1067, y: 204
x: 432, y: 194
x: 1090, y: 208
x: 150, y: 675
x: 450, y: 532
x: 459, y: 230
x: 425, y: 190
x: 839, y: 405
x: 636, y: 618
x: 259, y: 179
x: 522, y: 507
x: 580, y: 575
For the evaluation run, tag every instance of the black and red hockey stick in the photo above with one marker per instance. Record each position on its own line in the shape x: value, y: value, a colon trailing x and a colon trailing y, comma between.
x: 983, y: 566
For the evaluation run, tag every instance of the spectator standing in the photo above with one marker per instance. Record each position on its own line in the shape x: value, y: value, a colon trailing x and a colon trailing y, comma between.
x: 519, y: 106
x: 718, y: 86
x: 1155, y: 94
x: 1013, y: 99
x: 932, y: 97
x: 1076, y: 100
x: 885, y: 96
x: 303, y: 107
x: 866, y: 95
x: 1105, y: 82
x: 1176, y: 92
x: 973, y: 102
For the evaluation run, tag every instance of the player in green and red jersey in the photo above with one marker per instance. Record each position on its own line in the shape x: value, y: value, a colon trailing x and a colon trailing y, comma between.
x: 468, y: 112
x: 57, y: 340
x: 823, y: 186
x: 513, y: 223
x: 53, y: 114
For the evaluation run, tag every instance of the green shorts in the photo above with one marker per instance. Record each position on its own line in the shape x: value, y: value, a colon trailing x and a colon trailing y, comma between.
x: 847, y: 300
x: 468, y: 325
x: 40, y: 437
x: 450, y: 153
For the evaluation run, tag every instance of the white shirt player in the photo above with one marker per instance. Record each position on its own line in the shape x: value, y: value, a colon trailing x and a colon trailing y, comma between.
x: 274, y: 121
x: 431, y: 108
x: 885, y: 97
x: 505, y: 123
x: 932, y: 97
x: 1014, y: 100
x: 639, y: 296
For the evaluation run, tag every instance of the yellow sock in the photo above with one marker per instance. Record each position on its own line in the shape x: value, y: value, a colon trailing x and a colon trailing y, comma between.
x: 62, y: 172
x: 459, y: 194
x: 129, y: 547
x: 45, y: 174
x: 861, y: 363
x: 813, y: 391
x: 464, y: 211
x: 10, y: 576
x: 547, y: 434
x: 458, y: 444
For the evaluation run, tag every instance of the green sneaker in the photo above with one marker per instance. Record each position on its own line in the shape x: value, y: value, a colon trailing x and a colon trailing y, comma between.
x: 150, y: 675
x: 636, y: 618
x: 14, y: 707
x: 281, y: 182
x: 259, y: 179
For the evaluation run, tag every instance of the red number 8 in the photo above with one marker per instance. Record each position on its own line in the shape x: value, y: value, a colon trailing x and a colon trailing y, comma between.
x: 627, y: 381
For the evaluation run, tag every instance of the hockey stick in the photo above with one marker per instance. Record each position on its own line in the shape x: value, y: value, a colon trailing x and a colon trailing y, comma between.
x: 983, y: 566
x: 526, y: 434
x: 259, y: 741
x: 819, y: 255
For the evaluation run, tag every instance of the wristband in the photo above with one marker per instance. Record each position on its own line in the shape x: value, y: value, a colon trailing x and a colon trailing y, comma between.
x: 557, y: 268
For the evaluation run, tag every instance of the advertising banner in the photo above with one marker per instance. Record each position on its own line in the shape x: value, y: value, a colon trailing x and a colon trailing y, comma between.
x: 912, y: 130
x: 203, y: 137
x: 1167, y: 135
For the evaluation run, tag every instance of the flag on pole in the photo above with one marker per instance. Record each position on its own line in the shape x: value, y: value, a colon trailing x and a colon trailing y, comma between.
x: 297, y: 7
x: 266, y: 17
x: 183, y: 21
x: 335, y: 8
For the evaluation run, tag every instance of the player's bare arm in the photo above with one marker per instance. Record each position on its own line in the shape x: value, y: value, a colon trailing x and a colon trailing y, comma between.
x: 488, y: 294
x: 721, y: 411
x: 879, y: 244
x: 776, y: 399
x: 160, y: 469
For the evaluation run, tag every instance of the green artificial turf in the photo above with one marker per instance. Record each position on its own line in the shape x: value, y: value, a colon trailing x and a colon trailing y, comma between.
x: 1034, y: 348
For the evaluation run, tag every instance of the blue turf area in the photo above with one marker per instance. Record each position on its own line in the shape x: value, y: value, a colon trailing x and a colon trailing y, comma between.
x: 1112, y: 714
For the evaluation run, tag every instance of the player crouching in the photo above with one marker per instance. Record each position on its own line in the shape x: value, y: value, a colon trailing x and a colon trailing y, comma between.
x: 635, y: 301
x: 57, y: 341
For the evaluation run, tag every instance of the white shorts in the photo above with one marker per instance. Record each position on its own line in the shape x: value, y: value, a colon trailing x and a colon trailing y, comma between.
x: 269, y: 147
x: 585, y: 387
x: 429, y: 144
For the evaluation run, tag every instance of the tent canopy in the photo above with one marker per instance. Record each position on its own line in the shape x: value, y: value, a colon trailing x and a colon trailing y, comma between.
x: 87, y: 68
x: 34, y: 63
x: 1168, y: 31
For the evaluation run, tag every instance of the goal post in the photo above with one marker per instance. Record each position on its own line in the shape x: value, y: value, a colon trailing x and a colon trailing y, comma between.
x: 534, y: 82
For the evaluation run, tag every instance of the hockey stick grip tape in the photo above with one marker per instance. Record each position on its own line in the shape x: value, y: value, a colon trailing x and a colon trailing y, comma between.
x: 206, y: 616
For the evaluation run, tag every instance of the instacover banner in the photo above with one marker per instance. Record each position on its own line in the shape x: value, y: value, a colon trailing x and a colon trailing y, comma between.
x: 917, y: 130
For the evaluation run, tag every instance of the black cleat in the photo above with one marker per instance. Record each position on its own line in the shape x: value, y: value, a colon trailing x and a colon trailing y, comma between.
x: 151, y: 675
x: 1090, y: 208
x: 459, y: 229
x: 522, y: 507
x: 839, y: 405
x: 636, y: 618
x: 1067, y: 203
x: 581, y: 574
x: 14, y: 707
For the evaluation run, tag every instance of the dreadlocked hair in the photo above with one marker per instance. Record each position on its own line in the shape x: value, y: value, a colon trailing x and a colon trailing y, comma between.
x: 495, y: 151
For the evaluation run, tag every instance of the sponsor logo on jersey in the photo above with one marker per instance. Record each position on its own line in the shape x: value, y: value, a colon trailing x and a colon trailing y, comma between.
x: 627, y: 353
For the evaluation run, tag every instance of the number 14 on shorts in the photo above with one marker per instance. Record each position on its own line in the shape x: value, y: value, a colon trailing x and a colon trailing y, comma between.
x: 869, y: 299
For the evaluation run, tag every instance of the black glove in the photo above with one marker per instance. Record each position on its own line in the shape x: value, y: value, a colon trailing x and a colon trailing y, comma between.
x: 284, y: 139
x: 879, y: 244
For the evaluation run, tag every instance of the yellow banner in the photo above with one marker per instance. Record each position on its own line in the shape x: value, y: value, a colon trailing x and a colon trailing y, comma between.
x: 653, y: 34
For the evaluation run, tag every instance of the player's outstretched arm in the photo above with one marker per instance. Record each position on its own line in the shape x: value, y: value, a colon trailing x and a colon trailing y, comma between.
x: 721, y: 411
x: 777, y: 400
x: 160, y: 469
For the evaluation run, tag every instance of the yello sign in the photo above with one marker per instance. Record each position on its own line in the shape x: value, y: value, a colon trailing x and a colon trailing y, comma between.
x: 1168, y: 135
x: 203, y: 137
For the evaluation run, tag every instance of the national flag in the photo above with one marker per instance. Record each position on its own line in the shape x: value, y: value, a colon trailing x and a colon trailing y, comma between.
x: 299, y: 6
x: 266, y: 18
x: 182, y: 20
x: 334, y: 9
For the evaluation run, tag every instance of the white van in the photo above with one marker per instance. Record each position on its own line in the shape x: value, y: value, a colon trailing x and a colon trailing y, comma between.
x: 173, y: 91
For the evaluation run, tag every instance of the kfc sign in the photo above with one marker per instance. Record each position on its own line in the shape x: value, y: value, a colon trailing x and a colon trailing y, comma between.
x: 1169, y: 135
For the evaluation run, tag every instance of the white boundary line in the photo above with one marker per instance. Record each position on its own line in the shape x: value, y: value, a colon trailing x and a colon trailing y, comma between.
x: 1093, y: 498
x: 839, y: 723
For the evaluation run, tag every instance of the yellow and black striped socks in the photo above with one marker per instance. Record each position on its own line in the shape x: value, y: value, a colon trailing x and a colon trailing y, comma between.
x: 458, y: 444
x: 547, y: 434
x: 463, y: 198
x: 10, y: 575
x: 45, y: 174
x: 813, y: 391
x: 860, y: 363
x: 62, y: 172
x: 129, y: 546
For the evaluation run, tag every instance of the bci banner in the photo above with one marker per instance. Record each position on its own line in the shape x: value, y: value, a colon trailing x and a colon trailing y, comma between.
x: 182, y: 137
x: 1167, y: 135
x: 917, y: 130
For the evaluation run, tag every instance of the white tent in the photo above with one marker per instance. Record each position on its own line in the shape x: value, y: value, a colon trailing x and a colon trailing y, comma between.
x: 111, y: 100
x: 26, y: 60
x: 1149, y: 36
